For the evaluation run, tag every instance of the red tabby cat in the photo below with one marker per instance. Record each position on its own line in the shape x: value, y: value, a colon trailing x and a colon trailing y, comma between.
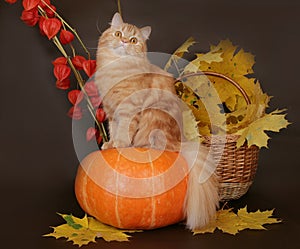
x: 143, y: 111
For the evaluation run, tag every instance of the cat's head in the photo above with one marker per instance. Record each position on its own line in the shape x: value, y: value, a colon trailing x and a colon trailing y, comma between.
x: 125, y: 39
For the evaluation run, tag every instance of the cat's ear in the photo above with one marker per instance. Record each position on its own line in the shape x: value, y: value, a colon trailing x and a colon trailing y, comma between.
x: 146, y: 31
x: 117, y: 20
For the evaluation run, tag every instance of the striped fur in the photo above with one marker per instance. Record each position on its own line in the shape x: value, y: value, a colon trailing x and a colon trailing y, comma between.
x: 143, y: 111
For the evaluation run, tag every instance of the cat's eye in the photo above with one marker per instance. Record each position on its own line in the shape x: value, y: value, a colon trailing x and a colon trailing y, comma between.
x: 133, y: 40
x: 118, y: 34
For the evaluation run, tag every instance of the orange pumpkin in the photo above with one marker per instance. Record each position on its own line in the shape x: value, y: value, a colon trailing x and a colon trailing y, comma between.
x: 133, y: 188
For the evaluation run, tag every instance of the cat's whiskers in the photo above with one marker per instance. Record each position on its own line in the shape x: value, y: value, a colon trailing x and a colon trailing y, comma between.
x: 90, y: 48
x: 97, y: 26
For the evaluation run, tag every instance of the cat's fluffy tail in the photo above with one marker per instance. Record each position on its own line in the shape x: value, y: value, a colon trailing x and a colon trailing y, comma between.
x: 202, y: 197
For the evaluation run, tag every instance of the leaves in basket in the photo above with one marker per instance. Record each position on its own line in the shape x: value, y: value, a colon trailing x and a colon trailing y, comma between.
x: 226, y: 60
x: 245, y: 115
x: 229, y: 222
x: 180, y: 52
x: 255, y: 134
x: 83, y: 231
x: 236, y: 64
x: 220, y: 106
x: 204, y: 102
x: 208, y: 58
x: 190, y: 129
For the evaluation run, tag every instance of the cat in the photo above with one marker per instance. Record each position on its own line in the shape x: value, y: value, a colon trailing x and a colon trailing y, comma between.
x: 143, y: 110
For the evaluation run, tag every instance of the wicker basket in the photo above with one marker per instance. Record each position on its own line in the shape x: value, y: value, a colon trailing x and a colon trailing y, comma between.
x: 236, y: 167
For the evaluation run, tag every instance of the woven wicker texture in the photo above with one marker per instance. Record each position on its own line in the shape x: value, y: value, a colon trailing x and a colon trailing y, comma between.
x: 236, y: 168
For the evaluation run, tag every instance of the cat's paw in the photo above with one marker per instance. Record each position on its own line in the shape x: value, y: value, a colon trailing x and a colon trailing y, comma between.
x: 114, y: 144
x: 120, y: 144
x: 107, y: 145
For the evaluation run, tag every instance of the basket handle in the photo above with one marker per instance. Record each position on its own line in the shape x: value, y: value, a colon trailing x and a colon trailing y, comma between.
x: 209, y: 73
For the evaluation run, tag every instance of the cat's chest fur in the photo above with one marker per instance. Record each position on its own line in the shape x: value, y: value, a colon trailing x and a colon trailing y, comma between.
x: 137, y: 85
x: 114, y: 72
x: 126, y: 74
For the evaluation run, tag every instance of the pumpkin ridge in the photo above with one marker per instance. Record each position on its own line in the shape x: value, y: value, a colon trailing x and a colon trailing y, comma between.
x: 85, y: 183
x: 117, y: 192
x: 84, y: 192
x: 132, y: 211
x: 153, y: 204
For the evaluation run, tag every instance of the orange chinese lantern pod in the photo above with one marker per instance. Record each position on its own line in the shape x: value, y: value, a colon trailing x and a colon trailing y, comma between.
x: 133, y: 188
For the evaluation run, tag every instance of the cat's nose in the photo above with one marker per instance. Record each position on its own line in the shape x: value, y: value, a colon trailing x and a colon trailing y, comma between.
x: 124, y: 40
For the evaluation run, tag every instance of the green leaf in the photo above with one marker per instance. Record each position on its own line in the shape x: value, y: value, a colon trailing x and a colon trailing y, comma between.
x: 71, y: 222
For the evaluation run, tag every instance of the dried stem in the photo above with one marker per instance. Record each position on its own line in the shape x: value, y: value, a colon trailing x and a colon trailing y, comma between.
x: 77, y: 74
x: 119, y: 7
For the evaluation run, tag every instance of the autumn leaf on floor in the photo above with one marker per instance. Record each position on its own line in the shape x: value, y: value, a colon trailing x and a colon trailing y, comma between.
x: 229, y: 222
x: 86, y: 230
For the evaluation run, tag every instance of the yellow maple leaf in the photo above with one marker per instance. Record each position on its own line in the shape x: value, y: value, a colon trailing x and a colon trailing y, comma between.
x: 235, y: 63
x: 204, y: 130
x: 244, y: 114
x: 229, y: 222
x: 226, y: 220
x: 227, y: 92
x: 80, y: 237
x: 84, y: 230
x: 109, y: 233
x: 190, y: 126
x: 209, y: 57
x: 255, y: 220
x: 204, y: 102
x: 180, y: 52
x: 226, y: 47
x: 221, y: 106
x: 255, y: 134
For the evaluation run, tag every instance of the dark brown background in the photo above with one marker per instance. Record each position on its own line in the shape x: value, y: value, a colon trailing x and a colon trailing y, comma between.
x: 38, y: 162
